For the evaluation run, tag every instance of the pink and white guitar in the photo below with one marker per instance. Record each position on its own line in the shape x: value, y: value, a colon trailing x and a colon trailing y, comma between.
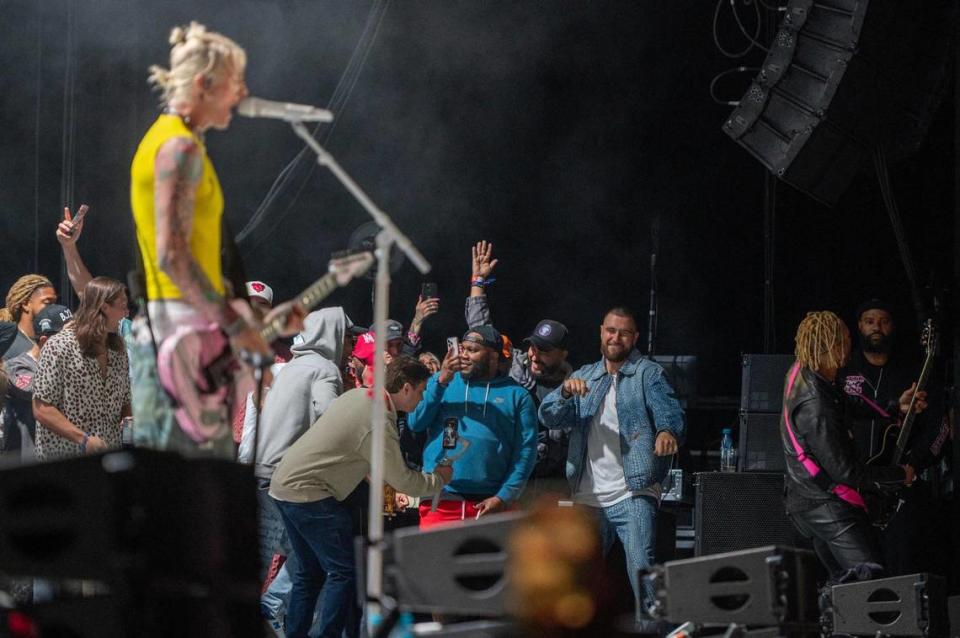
x: 199, y: 370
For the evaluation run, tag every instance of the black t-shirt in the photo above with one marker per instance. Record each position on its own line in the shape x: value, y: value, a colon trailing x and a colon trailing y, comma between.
x: 16, y: 418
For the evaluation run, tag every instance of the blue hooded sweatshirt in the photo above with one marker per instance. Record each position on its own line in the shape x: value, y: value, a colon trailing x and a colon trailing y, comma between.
x: 499, y: 420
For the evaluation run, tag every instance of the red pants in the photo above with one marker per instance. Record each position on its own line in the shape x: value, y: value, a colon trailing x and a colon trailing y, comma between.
x: 450, y: 512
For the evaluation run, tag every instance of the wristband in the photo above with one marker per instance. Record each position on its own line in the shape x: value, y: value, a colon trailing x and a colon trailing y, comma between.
x: 413, y: 337
x: 480, y: 282
x: 83, y: 443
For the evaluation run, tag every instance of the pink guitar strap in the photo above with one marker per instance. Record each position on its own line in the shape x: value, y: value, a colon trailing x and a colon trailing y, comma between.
x: 845, y: 492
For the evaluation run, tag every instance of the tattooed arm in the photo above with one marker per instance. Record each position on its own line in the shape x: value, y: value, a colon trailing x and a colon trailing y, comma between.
x: 178, y: 168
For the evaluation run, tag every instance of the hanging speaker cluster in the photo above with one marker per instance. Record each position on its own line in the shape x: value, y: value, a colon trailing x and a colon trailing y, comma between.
x: 842, y: 77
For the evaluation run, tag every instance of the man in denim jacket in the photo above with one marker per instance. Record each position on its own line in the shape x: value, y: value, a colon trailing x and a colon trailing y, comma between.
x: 625, y: 423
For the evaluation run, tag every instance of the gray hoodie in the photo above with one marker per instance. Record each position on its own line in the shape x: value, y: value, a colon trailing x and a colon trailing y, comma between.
x: 303, y: 388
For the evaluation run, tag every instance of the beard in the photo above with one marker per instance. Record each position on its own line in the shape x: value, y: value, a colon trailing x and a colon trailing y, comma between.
x: 478, y: 370
x: 877, y: 342
x: 546, y: 372
x: 614, y: 354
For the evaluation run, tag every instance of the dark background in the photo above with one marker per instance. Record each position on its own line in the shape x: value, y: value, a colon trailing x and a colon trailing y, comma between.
x: 557, y: 130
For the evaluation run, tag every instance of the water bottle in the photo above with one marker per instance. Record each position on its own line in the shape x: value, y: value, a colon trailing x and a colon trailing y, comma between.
x: 728, y: 454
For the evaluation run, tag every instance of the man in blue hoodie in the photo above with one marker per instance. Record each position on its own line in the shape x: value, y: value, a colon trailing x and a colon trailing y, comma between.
x: 492, y: 422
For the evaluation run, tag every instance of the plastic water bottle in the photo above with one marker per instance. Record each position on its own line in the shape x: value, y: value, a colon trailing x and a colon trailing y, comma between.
x: 728, y: 453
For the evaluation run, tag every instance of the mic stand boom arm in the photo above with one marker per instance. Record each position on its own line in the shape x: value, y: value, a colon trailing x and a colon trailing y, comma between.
x: 388, y: 235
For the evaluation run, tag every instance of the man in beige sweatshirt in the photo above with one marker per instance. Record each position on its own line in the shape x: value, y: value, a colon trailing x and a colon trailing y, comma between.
x: 321, y: 469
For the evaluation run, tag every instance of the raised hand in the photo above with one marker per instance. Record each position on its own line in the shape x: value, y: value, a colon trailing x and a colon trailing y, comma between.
x: 483, y: 262
x: 449, y: 366
x: 425, y: 308
x: 68, y: 231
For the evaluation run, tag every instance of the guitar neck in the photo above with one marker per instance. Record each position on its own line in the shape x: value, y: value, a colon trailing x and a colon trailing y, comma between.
x: 308, y: 299
x: 907, y: 425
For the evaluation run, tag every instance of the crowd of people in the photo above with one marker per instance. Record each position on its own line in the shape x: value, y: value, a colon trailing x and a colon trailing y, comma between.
x: 467, y: 428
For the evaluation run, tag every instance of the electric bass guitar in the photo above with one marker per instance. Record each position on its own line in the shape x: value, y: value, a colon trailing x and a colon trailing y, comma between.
x: 896, y: 436
x: 203, y: 375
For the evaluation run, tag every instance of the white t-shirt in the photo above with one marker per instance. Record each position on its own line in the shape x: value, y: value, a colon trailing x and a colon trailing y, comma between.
x: 603, y: 483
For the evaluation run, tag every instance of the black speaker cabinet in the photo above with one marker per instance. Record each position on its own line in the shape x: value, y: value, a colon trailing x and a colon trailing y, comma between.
x: 456, y: 569
x: 913, y: 605
x: 763, y: 586
x: 132, y: 516
x: 761, y: 388
x: 740, y: 510
x: 760, y: 447
x: 839, y: 79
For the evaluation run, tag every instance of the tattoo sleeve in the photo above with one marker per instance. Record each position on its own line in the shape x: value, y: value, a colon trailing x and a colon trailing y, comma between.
x: 178, y: 168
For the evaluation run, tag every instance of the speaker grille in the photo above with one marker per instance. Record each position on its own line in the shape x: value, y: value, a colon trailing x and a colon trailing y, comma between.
x: 735, y: 511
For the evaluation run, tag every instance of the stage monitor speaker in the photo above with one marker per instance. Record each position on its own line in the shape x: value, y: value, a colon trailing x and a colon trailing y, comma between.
x: 841, y: 78
x: 457, y: 569
x: 760, y: 447
x: 913, y: 605
x: 761, y: 387
x: 762, y: 587
x: 132, y: 516
x: 740, y: 510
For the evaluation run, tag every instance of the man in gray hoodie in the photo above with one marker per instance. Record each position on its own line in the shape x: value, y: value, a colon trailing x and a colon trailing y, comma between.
x: 304, y: 387
x: 300, y: 394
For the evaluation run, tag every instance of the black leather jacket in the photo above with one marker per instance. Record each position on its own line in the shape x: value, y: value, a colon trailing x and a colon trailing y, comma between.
x: 816, y: 410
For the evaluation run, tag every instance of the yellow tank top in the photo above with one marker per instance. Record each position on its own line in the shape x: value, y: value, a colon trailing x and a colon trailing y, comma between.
x: 208, y: 210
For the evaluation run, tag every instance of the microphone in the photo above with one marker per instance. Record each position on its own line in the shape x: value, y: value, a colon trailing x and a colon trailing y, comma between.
x: 257, y: 107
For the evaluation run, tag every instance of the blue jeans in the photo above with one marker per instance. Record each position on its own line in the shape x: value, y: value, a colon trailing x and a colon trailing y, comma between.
x: 634, y: 522
x: 321, y: 536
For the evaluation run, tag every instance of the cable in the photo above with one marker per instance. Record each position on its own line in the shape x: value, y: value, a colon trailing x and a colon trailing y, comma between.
x: 753, y: 39
x: 36, y: 142
x: 716, y: 36
x: 896, y: 222
x: 716, y: 78
x: 69, y: 137
x: 338, y: 100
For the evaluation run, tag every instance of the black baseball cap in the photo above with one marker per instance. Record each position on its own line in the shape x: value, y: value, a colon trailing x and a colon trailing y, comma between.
x: 549, y: 335
x: 489, y: 337
x: 394, y: 330
x: 50, y: 320
x: 874, y: 304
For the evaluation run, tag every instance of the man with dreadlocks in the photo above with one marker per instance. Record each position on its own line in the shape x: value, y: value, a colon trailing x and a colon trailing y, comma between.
x: 824, y: 478
x: 27, y: 296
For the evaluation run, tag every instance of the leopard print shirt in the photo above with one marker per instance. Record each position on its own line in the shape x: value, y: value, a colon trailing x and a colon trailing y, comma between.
x: 73, y: 384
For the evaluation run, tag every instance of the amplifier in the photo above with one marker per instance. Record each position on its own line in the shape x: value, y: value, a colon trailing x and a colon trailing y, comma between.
x: 913, y: 605
x: 761, y: 389
x: 760, y: 447
x: 740, y: 510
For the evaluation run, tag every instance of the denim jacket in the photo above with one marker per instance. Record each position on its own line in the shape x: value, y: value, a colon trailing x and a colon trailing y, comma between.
x: 646, y: 406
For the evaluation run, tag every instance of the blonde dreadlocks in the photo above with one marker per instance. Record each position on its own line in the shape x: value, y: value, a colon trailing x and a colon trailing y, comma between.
x: 820, y: 340
x: 20, y: 293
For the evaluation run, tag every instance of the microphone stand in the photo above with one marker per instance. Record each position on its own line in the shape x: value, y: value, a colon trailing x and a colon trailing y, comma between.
x: 386, y: 238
